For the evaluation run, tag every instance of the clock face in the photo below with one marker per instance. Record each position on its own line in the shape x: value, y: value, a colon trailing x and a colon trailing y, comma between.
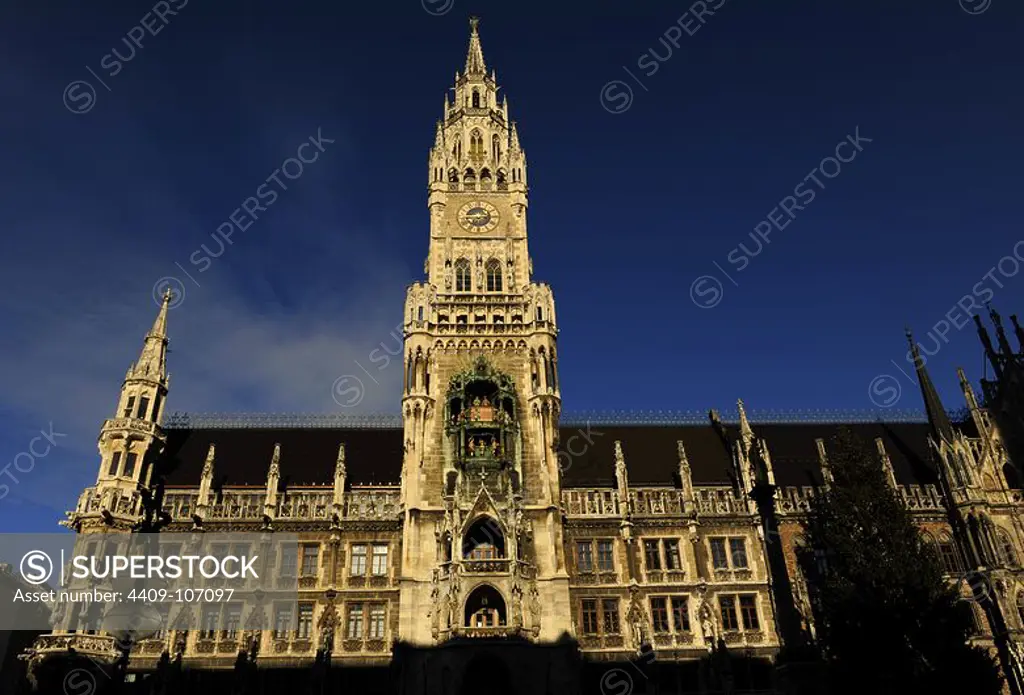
x: 478, y: 217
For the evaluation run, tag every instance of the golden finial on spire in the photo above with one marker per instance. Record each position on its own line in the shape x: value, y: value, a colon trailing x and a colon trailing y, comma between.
x: 474, y: 22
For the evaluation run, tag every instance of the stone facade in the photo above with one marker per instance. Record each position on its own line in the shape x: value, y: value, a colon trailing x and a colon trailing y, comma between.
x: 502, y: 521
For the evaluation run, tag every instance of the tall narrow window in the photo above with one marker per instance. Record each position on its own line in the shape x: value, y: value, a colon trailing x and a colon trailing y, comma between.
x: 738, y: 553
x: 305, y: 626
x: 310, y: 560
x: 115, y: 462
x: 380, y: 560
x: 1020, y: 607
x: 143, y: 410
x: 358, y: 564
x: 727, y: 605
x: 1009, y: 555
x: 672, y: 559
x: 605, y: 555
x: 718, y: 557
x: 128, y: 406
x: 494, y: 275
x: 210, y: 618
x: 282, y: 620
x: 659, y: 614
x: 289, y: 560
x: 610, y: 615
x: 462, y: 277
x: 377, y: 621
x: 588, y: 616
x: 584, y: 556
x: 476, y: 99
x: 652, y: 557
x: 129, y: 464
x: 948, y: 555
x: 232, y: 619
x: 748, y: 609
x: 355, y: 621
x: 680, y: 614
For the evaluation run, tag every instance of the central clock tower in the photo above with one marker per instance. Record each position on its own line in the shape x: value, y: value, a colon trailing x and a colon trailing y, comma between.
x: 483, y: 549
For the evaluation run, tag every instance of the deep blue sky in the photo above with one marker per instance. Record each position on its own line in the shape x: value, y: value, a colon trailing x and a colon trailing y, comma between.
x: 627, y: 210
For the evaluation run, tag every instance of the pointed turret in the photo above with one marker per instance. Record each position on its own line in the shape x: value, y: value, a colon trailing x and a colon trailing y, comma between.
x: 1004, y: 344
x: 746, y: 432
x: 942, y: 429
x: 1019, y: 332
x: 990, y: 351
x: 475, y: 65
x: 152, y: 362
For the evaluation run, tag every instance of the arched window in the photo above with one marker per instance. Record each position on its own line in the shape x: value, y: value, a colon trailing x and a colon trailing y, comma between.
x: 483, y: 540
x: 476, y: 145
x: 469, y: 176
x: 494, y: 275
x: 495, y: 148
x: 948, y: 554
x: 462, y: 277
x: 1006, y: 550
x: 485, y: 607
x: 1020, y: 606
x: 476, y: 99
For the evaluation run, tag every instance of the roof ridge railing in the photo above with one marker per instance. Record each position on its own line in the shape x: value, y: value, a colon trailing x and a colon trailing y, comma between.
x: 182, y: 421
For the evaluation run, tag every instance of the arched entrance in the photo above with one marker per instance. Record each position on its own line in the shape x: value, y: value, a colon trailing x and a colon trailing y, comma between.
x: 485, y: 608
x: 486, y: 673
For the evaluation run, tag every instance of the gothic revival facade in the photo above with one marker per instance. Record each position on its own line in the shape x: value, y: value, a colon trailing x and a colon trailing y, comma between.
x: 482, y: 517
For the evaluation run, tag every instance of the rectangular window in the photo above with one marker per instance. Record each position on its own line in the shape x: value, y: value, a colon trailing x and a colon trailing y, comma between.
x: 588, y: 616
x: 310, y: 560
x: 143, y: 408
x: 659, y: 614
x: 128, y: 406
x: 232, y: 619
x: 305, y: 627
x: 748, y: 610
x: 610, y: 615
x: 672, y: 559
x: 585, y: 556
x: 377, y: 621
x: 727, y: 605
x: 605, y: 555
x: 129, y: 465
x: 738, y: 553
x: 357, y: 567
x: 380, y: 560
x: 282, y: 620
x: 355, y: 621
x: 289, y: 560
x: 718, y: 557
x: 210, y: 618
x: 681, y: 613
x: 115, y: 461
x: 652, y: 557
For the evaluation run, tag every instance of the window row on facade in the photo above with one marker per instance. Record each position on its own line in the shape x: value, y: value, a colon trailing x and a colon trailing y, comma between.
x: 669, y: 614
x: 661, y: 554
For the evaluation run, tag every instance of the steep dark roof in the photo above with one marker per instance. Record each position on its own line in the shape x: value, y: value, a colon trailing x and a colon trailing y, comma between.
x: 586, y: 455
x: 651, y: 453
x: 308, y: 456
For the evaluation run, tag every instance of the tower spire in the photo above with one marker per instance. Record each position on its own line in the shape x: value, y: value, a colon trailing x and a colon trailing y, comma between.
x: 475, y: 65
x: 152, y: 362
x: 942, y: 429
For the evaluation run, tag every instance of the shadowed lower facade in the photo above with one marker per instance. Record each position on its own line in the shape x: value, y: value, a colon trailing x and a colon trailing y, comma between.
x: 480, y: 541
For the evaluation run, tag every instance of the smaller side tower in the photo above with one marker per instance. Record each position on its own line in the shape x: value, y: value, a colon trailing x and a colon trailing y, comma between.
x: 130, y: 441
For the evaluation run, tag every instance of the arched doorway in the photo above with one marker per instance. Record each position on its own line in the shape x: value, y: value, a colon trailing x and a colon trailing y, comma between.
x: 485, y: 608
x: 486, y: 673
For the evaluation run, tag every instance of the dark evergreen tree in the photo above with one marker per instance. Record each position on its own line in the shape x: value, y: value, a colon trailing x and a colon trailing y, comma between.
x: 887, y: 620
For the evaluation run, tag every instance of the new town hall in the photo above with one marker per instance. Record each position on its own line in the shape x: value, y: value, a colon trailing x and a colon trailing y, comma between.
x: 478, y: 539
